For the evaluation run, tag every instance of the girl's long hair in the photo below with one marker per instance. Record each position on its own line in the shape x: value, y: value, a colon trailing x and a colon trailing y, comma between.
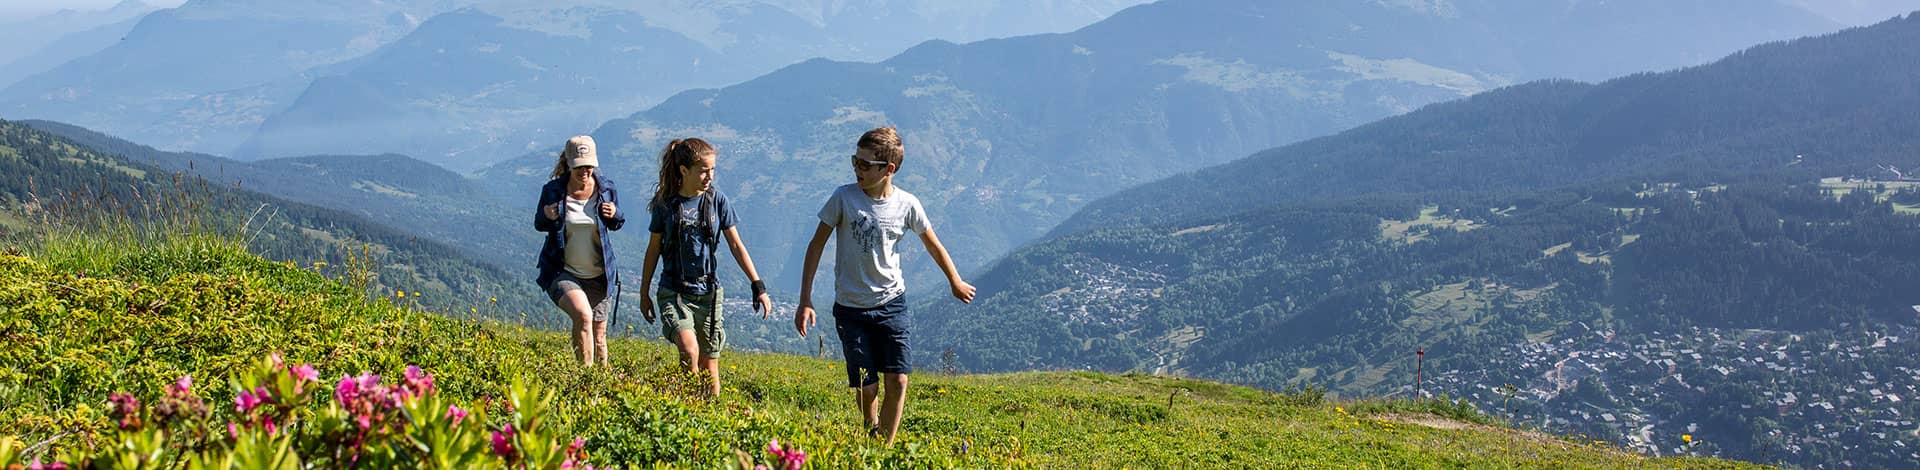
x: 679, y: 153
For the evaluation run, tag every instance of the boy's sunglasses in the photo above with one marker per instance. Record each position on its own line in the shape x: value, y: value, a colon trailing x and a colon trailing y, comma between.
x: 868, y: 164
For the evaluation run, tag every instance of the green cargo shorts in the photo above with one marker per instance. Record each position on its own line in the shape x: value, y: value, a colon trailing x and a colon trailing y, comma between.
x: 700, y: 313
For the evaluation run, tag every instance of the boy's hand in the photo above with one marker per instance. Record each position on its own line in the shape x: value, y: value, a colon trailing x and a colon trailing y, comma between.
x: 803, y: 319
x: 606, y: 210
x: 646, y: 308
x: 963, y: 291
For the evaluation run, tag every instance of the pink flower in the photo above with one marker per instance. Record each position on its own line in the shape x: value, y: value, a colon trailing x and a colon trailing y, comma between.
x: 126, y: 410
x: 276, y: 360
x: 503, y: 441
x: 790, y: 459
x: 305, y: 373
x: 418, y: 383
x: 794, y: 459
x: 246, y: 401
x: 272, y: 429
x: 233, y: 430
x: 454, y: 411
x: 52, y: 466
x: 345, y: 391
x: 182, y: 387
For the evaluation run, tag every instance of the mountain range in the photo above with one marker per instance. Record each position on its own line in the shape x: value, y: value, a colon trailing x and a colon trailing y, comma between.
x: 207, y: 75
x: 1012, y: 135
x: 1704, y: 211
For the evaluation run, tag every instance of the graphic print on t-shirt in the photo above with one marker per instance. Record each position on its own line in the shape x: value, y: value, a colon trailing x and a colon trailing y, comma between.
x: 867, y: 232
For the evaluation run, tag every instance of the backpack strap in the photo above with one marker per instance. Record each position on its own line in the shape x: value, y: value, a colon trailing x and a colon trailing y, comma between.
x: 711, y: 229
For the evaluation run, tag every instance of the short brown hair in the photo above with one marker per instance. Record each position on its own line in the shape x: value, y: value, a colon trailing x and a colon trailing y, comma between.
x: 883, y: 142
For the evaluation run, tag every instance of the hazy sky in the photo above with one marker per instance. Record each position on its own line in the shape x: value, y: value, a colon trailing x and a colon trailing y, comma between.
x: 20, y: 9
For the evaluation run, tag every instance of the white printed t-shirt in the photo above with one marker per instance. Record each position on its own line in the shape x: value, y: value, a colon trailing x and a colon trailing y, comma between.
x: 866, y: 255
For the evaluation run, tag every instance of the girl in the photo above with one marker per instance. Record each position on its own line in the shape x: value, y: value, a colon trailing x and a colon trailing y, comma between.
x: 576, y: 210
x: 689, y: 216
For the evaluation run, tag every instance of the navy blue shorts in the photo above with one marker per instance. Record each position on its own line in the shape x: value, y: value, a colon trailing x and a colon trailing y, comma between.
x: 874, y: 340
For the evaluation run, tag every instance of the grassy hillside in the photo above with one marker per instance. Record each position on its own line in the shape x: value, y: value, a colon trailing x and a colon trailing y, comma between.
x: 208, y: 310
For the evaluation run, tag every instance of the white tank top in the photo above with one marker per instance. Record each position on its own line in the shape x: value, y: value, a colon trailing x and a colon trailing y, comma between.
x: 583, y: 240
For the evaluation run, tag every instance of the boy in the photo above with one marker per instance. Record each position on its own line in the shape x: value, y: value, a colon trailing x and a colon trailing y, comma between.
x: 870, y: 308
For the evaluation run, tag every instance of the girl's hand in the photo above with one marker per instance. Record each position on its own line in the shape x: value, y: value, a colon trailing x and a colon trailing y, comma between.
x: 646, y: 308
x: 764, y: 305
x: 606, y: 209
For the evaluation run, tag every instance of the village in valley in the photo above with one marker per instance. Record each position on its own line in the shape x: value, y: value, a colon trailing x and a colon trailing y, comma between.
x: 1647, y: 392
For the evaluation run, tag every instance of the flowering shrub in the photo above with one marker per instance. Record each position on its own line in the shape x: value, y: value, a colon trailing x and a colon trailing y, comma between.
x: 369, y: 423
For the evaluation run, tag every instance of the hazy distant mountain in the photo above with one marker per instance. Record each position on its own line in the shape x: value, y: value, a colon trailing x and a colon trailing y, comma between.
x: 203, y: 75
x: 475, y: 86
x: 1858, y: 12
x: 1007, y: 137
x: 71, y: 46
x: 23, y: 37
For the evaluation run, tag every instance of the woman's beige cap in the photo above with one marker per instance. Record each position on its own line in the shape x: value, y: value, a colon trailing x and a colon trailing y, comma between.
x: 580, y: 152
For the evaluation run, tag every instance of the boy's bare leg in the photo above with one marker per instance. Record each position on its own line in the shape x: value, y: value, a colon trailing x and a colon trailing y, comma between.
x: 578, y: 310
x: 894, y: 406
x: 869, y: 414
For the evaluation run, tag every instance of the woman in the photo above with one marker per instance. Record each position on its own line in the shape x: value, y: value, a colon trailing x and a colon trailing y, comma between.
x: 576, y: 210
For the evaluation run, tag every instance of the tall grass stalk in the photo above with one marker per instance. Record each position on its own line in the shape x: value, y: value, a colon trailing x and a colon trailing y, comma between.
x: 98, y: 229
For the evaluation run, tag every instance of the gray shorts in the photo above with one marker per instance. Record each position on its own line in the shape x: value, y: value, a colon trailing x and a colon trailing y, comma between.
x: 596, y: 290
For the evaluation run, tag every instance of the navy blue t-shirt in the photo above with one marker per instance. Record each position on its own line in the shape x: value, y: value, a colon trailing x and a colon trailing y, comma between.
x: 687, y: 252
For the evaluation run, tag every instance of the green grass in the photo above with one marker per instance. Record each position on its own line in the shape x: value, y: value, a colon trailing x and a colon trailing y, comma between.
x: 138, y: 318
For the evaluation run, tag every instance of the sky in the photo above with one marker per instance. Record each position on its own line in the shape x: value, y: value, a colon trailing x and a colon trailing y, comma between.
x: 22, y: 9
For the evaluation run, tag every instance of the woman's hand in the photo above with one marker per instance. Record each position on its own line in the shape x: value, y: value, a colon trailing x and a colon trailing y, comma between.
x: 553, y: 211
x: 606, y: 210
x: 646, y: 308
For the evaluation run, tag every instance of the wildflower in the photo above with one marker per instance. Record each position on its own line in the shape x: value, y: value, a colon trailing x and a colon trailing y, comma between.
x: 319, y: 264
x: 493, y: 300
x: 416, y: 293
x: 454, y: 412
x: 575, y: 455
x: 126, y: 410
x: 790, y: 459
x: 1688, y: 438
x: 472, y: 310
x: 305, y: 373
x: 56, y: 465
x: 400, y: 294
x: 246, y: 401
x: 184, y: 386
x: 418, y: 383
x: 233, y: 430
x: 503, y: 441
